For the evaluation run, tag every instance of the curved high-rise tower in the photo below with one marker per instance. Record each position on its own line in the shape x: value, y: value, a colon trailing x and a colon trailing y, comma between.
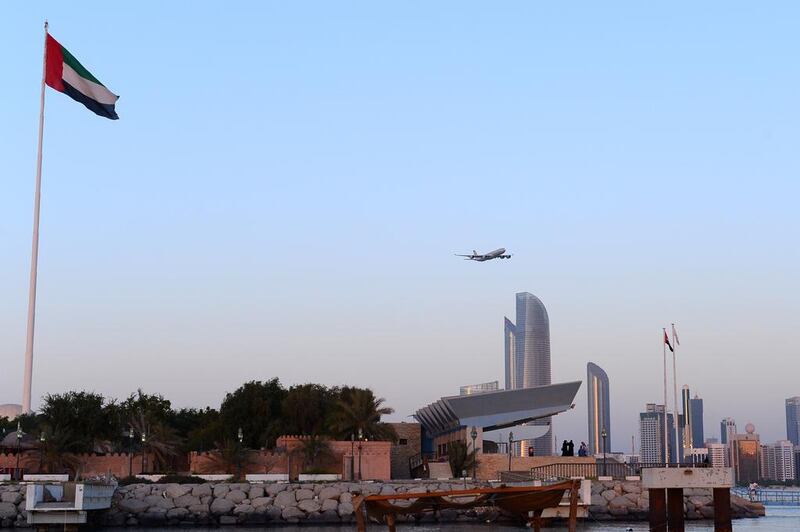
x: 599, y: 408
x: 527, y: 346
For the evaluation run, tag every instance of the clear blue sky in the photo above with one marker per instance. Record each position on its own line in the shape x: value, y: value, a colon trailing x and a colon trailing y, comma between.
x: 287, y: 183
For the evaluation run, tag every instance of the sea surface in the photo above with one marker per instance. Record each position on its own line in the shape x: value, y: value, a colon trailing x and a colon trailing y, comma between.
x: 778, y: 519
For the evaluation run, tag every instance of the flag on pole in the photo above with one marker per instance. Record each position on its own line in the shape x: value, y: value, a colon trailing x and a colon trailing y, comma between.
x: 65, y: 74
x: 675, y: 335
x: 666, y: 341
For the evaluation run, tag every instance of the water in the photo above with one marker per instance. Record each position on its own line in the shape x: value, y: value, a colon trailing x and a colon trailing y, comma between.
x: 777, y: 519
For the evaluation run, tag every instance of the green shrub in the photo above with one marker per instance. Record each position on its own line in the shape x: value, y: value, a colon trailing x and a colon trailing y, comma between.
x: 318, y: 471
x: 181, y: 479
x: 133, y: 480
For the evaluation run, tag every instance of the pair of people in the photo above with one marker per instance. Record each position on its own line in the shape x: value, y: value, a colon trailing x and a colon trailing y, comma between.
x: 567, y: 448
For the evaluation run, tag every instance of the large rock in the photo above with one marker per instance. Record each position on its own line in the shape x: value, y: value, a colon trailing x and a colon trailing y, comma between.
x: 153, y: 516
x: 236, y: 496
x: 274, y: 489
x: 346, y: 497
x: 292, y: 514
x: 285, y: 499
x: 158, y: 501
x: 221, y: 506
x: 174, y: 491
x: 184, y: 501
x: 329, y: 492
x: 609, y: 495
x: 133, y: 506
x: 243, y: 509
x: 220, y: 490
x: 329, y: 504
x: 199, y: 509
x: 303, y: 494
x: 13, y: 497
x: 201, y: 490
x: 309, y: 505
x: 345, y: 509
x: 256, y: 492
x: 7, y: 510
x: 261, y: 501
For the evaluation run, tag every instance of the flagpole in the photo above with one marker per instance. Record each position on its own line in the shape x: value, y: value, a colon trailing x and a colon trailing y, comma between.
x: 27, y: 383
x: 675, y: 384
x: 666, y: 432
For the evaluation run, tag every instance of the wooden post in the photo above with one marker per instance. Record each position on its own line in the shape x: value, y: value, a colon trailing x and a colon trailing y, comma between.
x: 675, y: 509
x: 658, y: 510
x: 358, y: 510
x: 573, y: 506
x: 391, y: 521
x: 722, y: 510
x: 536, y: 521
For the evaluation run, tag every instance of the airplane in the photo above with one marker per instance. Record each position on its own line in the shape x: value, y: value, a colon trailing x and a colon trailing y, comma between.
x: 496, y: 254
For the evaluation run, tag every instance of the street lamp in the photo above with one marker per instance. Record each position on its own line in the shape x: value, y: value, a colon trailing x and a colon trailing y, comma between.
x: 474, y: 435
x: 130, y: 451
x: 604, y: 435
x: 360, y: 437
x: 144, y: 452
x: 510, y: 442
x: 19, y: 441
x: 352, y: 456
x: 41, y: 450
x: 240, y: 437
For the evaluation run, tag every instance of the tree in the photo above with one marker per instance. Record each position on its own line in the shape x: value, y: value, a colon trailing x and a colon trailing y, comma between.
x: 197, y: 428
x: 83, y: 413
x: 359, y: 410
x: 315, y: 451
x: 307, y: 409
x: 255, y: 407
x: 460, y: 458
x: 232, y: 457
x: 160, y: 441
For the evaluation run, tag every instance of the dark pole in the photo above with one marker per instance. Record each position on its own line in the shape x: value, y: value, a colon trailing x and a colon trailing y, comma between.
x: 240, y: 437
x: 510, y: 443
x: 144, y: 452
x: 19, y: 440
x: 352, y: 456
x: 360, y: 436
x: 474, y: 435
x: 604, y: 434
x: 41, y: 451
x: 130, y: 451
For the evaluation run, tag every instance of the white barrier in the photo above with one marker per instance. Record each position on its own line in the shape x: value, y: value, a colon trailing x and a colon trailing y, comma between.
x: 214, y: 478
x: 46, y: 478
x: 273, y: 477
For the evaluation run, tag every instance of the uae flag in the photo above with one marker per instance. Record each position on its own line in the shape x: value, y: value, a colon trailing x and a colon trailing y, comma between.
x: 65, y: 74
x: 666, y: 341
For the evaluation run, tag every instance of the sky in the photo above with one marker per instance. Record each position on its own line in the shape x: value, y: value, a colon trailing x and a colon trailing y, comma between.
x: 288, y: 182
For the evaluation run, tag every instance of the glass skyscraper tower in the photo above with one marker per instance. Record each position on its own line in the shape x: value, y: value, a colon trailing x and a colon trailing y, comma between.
x: 527, y: 346
x: 793, y: 420
x: 599, y: 408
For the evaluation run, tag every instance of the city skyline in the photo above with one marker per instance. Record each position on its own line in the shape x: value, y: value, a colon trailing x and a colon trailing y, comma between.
x: 193, y: 245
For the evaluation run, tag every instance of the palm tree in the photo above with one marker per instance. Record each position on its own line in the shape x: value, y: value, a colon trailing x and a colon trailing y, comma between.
x: 315, y: 452
x: 161, y: 441
x: 231, y: 457
x: 460, y: 458
x: 59, y: 451
x: 358, y: 411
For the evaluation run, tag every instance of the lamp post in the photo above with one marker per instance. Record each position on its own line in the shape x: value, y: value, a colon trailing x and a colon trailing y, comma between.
x: 510, y: 442
x: 352, y: 456
x: 240, y: 438
x: 42, y: 439
x: 474, y: 435
x: 604, y: 435
x: 360, y: 437
x: 144, y: 452
x: 19, y: 442
x: 130, y: 451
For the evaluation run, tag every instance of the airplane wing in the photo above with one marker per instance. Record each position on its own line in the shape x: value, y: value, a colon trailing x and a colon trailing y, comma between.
x: 457, y: 255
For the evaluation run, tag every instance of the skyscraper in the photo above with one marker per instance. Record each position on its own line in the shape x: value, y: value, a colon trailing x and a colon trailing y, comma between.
x: 686, y: 419
x: 651, y: 435
x: 777, y: 461
x: 696, y: 409
x: 746, y: 455
x: 599, y: 408
x: 527, y: 354
x: 727, y: 428
x: 793, y: 420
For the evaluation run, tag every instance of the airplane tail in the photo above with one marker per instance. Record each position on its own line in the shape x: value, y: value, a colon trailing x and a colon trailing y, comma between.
x: 474, y: 252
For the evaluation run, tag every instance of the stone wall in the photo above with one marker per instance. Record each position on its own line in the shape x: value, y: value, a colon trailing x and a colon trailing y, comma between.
x: 627, y: 501
x: 92, y: 465
x: 408, y: 444
x: 242, y: 503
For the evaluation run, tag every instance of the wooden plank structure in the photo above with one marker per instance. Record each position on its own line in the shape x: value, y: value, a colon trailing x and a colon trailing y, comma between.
x: 526, y: 501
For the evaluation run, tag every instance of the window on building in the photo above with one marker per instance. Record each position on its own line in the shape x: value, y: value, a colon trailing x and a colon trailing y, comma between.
x: 402, y: 441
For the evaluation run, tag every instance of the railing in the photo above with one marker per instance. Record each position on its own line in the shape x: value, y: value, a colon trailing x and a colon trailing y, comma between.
x: 617, y: 470
x: 769, y: 497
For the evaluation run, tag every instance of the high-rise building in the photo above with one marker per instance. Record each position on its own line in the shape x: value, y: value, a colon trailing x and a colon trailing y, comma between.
x: 797, y: 462
x: 777, y: 461
x: 651, y: 435
x: 746, y: 454
x: 696, y: 409
x: 793, y: 420
x: 686, y: 420
x: 727, y: 428
x: 527, y: 356
x: 599, y: 409
x: 718, y: 455
x: 472, y: 389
